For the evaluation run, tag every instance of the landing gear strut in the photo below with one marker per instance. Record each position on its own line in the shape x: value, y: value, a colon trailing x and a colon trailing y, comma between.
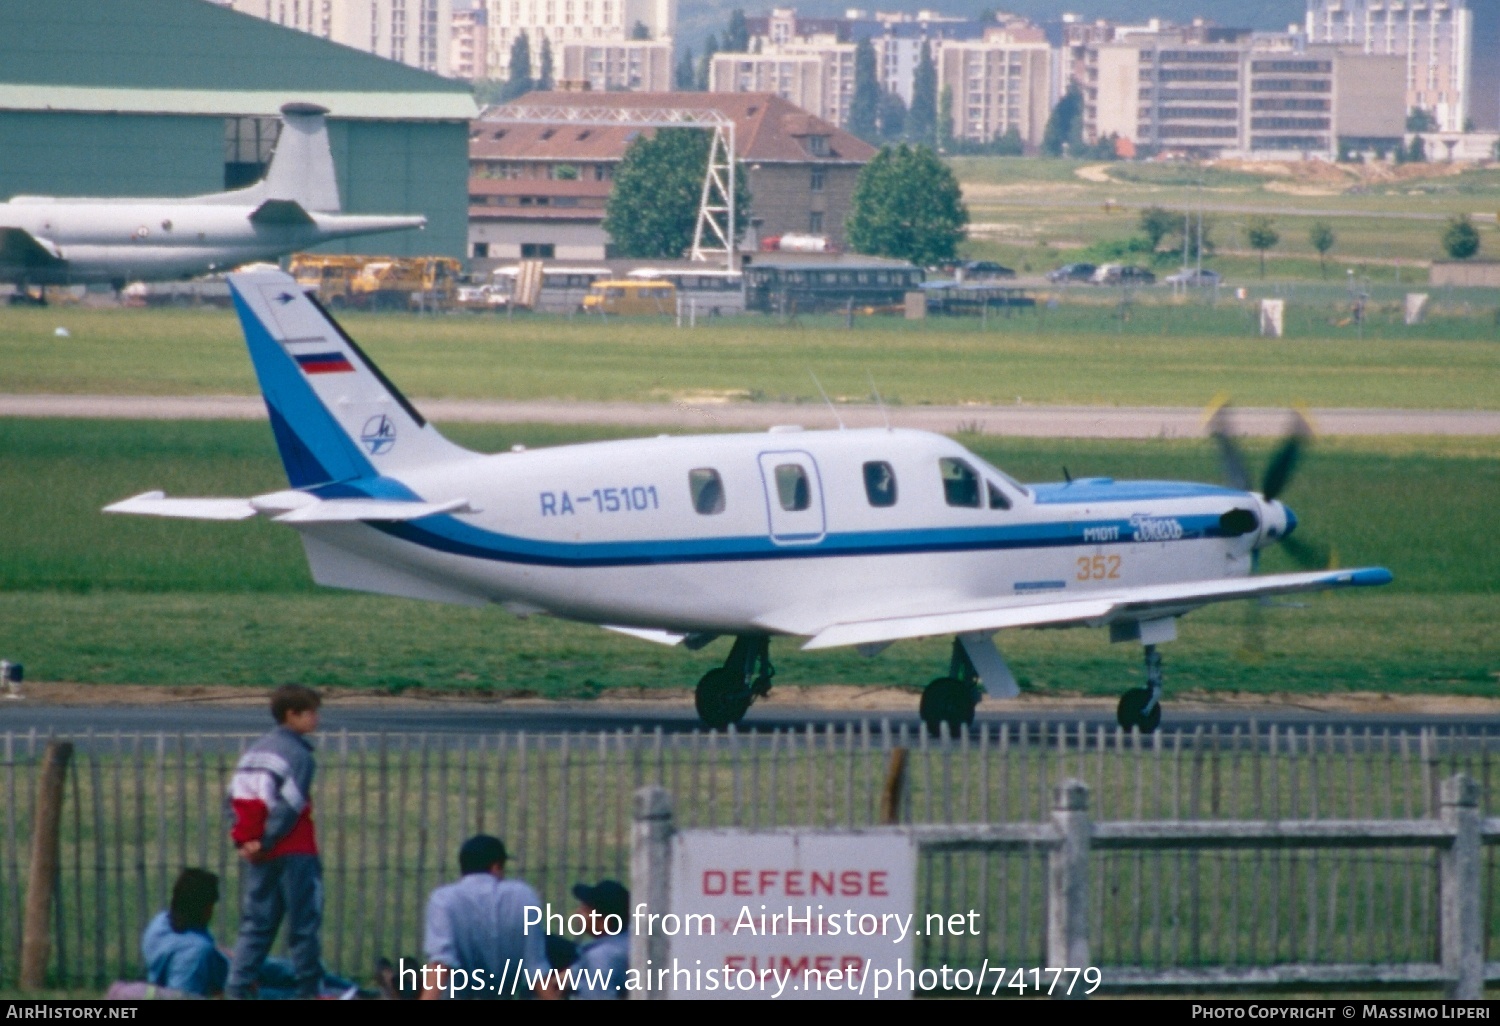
x: 1141, y: 707
x: 951, y: 700
x: 724, y: 694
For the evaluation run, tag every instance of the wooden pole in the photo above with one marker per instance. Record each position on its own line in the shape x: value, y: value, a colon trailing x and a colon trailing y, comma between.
x: 895, y: 787
x: 36, y: 937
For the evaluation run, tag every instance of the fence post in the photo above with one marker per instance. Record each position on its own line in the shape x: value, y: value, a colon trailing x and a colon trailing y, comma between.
x: 1068, y: 880
x: 895, y: 787
x: 36, y: 936
x: 1459, y: 884
x: 650, y: 868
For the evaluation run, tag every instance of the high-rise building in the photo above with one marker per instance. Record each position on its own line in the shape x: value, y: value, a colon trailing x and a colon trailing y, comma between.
x: 633, y: 65
x: 1435, y: 36
x: 562, y: 22
x: 414, y: 32
x: 998, y: 83
x: 470, y: 47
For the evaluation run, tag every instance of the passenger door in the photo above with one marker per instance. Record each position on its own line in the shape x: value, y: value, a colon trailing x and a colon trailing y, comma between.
x: 794, y: 497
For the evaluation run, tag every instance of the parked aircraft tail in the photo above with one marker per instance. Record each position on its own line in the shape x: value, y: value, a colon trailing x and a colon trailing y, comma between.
x: 301, y: 170
x: 336, y: 417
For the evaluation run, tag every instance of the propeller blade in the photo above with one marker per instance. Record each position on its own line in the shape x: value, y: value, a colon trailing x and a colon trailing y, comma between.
x: 1279, y: 471
x: 1231, y: 458
x: 1307, y: 555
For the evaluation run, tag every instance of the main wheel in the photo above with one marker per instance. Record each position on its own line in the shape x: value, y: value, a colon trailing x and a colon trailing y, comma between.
x: 721, y: 698
x: 1131, y: 711
x: 950, y: 701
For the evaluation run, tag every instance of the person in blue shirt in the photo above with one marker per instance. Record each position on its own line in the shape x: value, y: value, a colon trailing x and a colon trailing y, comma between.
x: 602, y: 963
x: 179, y: 951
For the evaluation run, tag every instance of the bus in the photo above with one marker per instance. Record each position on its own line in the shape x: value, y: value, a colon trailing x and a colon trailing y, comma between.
x: 707, y: 292
x: 792, y: 284
x: 563, y: 288
x: 631, y: 297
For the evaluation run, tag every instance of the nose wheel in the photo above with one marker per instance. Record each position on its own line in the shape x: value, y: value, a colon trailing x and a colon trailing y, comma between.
x: 1140, y: 708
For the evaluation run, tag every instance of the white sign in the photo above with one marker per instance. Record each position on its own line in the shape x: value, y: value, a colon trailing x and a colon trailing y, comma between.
x: 792, y: 915
x: 1272, y: 314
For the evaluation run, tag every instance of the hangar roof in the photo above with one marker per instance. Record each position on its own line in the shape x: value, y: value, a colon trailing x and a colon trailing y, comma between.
x: 192, y: 57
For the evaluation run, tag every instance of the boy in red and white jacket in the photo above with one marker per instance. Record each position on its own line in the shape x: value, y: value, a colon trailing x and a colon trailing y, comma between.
x: 271, y: 807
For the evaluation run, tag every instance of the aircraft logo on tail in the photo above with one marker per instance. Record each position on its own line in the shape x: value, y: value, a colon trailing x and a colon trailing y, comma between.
x: 379, y: 434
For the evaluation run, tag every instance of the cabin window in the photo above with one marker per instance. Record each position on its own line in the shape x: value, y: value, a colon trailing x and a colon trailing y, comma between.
x: 997, y: 497
x: 792, y: 488
x: 960, y: 483
x: 707, y: 490
x: 880, y: 484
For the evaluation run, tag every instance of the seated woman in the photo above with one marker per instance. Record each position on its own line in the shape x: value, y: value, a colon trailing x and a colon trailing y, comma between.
x: 179, y: 951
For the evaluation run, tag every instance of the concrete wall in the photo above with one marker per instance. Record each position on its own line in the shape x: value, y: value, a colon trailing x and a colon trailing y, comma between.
x: 1471, y: 273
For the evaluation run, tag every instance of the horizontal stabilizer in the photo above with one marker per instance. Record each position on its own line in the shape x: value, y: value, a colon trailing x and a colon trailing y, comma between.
x: 346, y: 511
x: 280, y: 211
x: 156, y: 504
x: 1095, y: 610
x: 19, y: 247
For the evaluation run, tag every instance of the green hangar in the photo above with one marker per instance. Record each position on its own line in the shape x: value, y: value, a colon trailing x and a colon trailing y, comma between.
x: 180, y: 97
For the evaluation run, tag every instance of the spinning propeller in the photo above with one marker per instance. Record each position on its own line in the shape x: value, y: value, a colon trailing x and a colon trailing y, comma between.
x: 1278, y: 474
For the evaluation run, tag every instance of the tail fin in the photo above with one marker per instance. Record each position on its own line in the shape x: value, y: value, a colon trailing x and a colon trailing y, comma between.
x: 301, y: 169
x: 336, y: 417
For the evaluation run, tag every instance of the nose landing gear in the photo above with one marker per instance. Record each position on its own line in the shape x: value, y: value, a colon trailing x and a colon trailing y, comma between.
x: 1141, y: 707
x: 725, y: 693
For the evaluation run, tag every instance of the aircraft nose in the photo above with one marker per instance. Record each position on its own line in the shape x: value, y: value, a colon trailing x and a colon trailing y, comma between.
x: 1291, y: 521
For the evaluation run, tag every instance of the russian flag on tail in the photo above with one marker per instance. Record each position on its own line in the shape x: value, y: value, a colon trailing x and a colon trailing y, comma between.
x: 324, y: 363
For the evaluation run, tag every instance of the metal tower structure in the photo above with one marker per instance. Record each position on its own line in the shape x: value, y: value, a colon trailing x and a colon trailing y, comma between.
x: 714, y: 235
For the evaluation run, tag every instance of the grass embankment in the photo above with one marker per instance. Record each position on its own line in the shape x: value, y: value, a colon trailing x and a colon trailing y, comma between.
x: 1087, y: 350
x: 91, y: 598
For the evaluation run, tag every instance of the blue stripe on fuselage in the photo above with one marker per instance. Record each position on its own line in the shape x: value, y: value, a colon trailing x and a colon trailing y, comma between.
x: 447, y: 533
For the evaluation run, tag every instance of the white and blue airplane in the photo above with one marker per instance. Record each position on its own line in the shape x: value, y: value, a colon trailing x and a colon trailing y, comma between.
x: 842, y: 538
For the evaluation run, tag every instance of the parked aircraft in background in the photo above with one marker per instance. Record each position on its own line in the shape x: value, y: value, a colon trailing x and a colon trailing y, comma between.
x: 46, y: 240
x: 859, y: 538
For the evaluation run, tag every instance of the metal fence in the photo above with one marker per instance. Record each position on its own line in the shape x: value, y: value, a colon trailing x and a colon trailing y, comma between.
x: 392, y: 809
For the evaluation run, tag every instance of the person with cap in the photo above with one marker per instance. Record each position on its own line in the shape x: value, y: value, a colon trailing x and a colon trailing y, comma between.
x: 603, y: 962
x: 478, y: 925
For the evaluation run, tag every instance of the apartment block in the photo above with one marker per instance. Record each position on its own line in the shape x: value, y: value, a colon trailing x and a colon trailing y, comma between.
x: 562, y: 22
x: 1436, y: 37
x: 817, y: 75
x: 634, y: 65
x: 414, y: 32
x: 470, y: 46
x: 999, y: 82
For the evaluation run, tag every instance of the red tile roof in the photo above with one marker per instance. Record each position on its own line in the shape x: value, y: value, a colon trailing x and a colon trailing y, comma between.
x: 768, y: 129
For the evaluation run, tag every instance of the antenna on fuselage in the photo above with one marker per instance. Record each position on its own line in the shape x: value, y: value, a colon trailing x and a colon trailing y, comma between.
x: 827, y: 400
x: 879, y: 401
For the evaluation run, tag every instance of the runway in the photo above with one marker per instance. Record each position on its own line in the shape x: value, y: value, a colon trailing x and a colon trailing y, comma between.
x: 1024, y: 421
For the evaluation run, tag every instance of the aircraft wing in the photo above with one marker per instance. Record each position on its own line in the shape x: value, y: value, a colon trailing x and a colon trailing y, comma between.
x: 18, y: 247
x: 288, y: 508
x: 1093, y: 610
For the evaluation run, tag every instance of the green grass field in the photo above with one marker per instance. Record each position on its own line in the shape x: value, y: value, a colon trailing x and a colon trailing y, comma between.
x: 91, y: 598
x: 1089, y: 350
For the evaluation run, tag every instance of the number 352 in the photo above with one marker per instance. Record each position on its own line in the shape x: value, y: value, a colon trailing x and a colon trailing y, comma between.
x: 1098, y: 568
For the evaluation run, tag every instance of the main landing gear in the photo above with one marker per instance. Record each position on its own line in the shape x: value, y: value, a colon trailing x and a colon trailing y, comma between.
x: 950, y: 701
x: 1141, y: 707
x: 724, y: 694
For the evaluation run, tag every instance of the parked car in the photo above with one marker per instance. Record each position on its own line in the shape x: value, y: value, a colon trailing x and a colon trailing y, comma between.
x: 1122, y: 274
x: 1071, y: 272
x: 1194, y: 278
x: 980, y: 270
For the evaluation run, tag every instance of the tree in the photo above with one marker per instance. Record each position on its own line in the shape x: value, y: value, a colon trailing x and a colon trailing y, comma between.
x: 1262, y: 235
x: 653, y: 207
x: 1322, y: 238
x: 1062, y: 125
x: 907, y: 205
x: 544, y: 76
x: 737, y: 35
x: 945, y: 121
x: 1418, y: 152
x: 706, y: 63
x: 1421, y: 120
x: 892, y: 116
x: 1460, y: 237
x: 519, y: 81
x: 864, y: 108
x: 683, y: 77
x: 640, y: 31
x: 921, y: 119
x: 1158, y: 223
x: 1010, y: 144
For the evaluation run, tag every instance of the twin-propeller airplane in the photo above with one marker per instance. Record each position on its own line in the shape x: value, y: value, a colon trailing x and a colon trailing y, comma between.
x: 860, y: 537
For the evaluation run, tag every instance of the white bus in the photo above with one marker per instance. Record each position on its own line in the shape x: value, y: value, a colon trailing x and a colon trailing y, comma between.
x: 709, y: 292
